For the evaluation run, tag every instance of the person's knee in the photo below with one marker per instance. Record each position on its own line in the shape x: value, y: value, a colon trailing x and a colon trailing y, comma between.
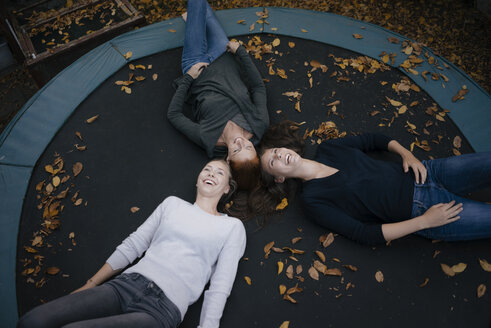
x: 37, y: 318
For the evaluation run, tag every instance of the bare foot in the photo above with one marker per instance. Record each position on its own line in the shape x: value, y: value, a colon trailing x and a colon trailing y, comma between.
x: 184, y: 16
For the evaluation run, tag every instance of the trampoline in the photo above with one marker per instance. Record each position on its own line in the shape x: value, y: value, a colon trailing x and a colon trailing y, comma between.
x: 133, y: 156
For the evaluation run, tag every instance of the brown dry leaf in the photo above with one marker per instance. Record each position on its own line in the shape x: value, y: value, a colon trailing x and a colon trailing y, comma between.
x: 241, y: 21
x: 171, y: 30
x: 291, y: 44
x: 248, y: 280
x: 30, y: 249
x: 289, y: 298
x: 282, y: 205
x: 460, y: 95
x: 79, y: 135
x: 48, y: 168
x: 297, y: 106
x: 281, y: 73
x: 447, y: 270
x: 485, y: 265
x: 481, y: 290
x: 128, y: 55
x: 334, y: 103
x: 458, y: 268
x: 350, y: 267
x: 276, y: 42
x: 375, y: 112
x: 149, y: 66
x: 296, y: 240
x: 299, y: 269
x: 71, y: 235
x: 414, y: 103
x: 77, y: 168
x: 132, y: 67
x: 411, y: 126
x: 358, y: 36
x: 140, y: 78
x: 379, y: 276
x: 280, y: 267
x: 277, y: 250
x: 155, y: 76
x: 80, y: 148
x: 333, y: 272
x: 320, y: 267
x: 49, y: 188
x: 52, y: 270
x: 456, y: 152
x: 78, y: 202
x: 65, y: 179
x: 140, y: 67
x: 92, y: 119
x: 134, y: 209
x: 393, y: 40
x: 39, y: 186
x: 393, y: 102
x: 304, y: 30
x: 251, y: 28
x: 424, y: 283
x: 285, y: 324
x: 282, y: 289
x: 402, y: 109
x: 38, y: 240
x: 313, y: 273
x: 267, y: 249
x: 56, y: 181
x: 321, y: 256
x: 293, y: 250
x: 289, y: 271
x: 457, y: 142
x: 326, y: 239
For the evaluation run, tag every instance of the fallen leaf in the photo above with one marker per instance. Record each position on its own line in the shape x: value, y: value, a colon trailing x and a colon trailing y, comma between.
x: 289, y: 271
x: 457, y: 142
x: 350, y: 267
x: 393, y: 40
x: 321, y: 256
x: 267, y: 249
x: 134, y: 209
x: 333, y: 272
x: 251, y: 28
x: 447, y: 270
x: 289, y: 298
x: 304, y: 30
x: 460, y: 95
x: 291, y: 44
x: 92, y: 119
x: 155, y: 76
x: 320, y: 267
x: 139, y: 78
x: 296, y: 240
x: 40, y: 185
x: 38, y: 240
x: 276, y: 42
x: 358, y: 36
x: 78, y: 202
x: 30, y: 249
x: 326, y: 239
x: 285, y: 324
x: 280, y: 267
x: 128, y: 55
x: 248, y: 280
x: 458, y: 268
x: 56, y: 181
x: 282, y: 289
x: 299, y: 269
x: 132, y: 67
x: 171, y: 30
x: 393, y: 102
x: 402, y: 109
x: 77, y: 168
x: 485, y: 265
x: 282, y: 205
x: 313, y: 273
x: 481, y: 290
x: 379, y: 276
x: 424, y: 283
x: 241, y: 21
x: 52, y: 270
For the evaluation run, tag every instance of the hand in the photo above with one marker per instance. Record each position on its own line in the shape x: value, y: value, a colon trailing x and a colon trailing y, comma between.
x: 196, y: 69
x: 88, y: 284
x: 232, y: 46
x: 441, y: 214
x: 410, y: 161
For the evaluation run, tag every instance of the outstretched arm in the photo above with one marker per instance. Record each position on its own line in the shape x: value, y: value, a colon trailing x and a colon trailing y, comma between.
x: 409, y: 161
x: 104, y: 273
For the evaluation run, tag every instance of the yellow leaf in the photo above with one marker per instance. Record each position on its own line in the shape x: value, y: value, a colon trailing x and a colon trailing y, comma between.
x: 140, y: 78
x: 49, y: 169
x: 414, y: 103
x: 134, y: 209
x: 402, y: 109
x: 282, y: 205
x: 276, y: 42
x: 458, y: 268
x: 485, y: 265
x: 149, y: 66
x: 303, y: 30
x: 92, y: 119
x: 171, y: 30
x: 128, y: 55
x: 141, y: 67
x: 30, y: 249
x: 297, y: 106
x: 321, y: 256
x: 447, y: 270
x: 379, y: 276
x: 358, y: 36
x: 241, y: 21
x: 285, y: 324
x: 56, y: 181
x: 282, y: 289
x: 132, y: 67
x: 394, y: 102
x: 248, y: 280
x: 280, y: 267
x: 411, y: 126
x: 274, y: 29
x: 251, y: 28
x: 291, y: 44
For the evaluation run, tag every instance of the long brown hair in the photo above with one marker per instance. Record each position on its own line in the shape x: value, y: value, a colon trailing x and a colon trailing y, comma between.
x: 264, y: 199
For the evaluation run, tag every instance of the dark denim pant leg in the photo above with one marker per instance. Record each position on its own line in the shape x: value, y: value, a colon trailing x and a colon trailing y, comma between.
x: 449, y: 179
x: 92, y: 303
x: 204, y: 39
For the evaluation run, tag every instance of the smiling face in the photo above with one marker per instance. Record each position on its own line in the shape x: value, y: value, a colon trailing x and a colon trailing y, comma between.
x: 213, y: 179
x: 280, y: 163
x: 241, y: 150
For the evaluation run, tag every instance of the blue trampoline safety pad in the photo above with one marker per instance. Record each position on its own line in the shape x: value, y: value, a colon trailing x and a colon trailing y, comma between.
x: 26, y: 137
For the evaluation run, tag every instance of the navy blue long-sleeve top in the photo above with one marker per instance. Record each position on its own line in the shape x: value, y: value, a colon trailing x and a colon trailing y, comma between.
x: 363, y: 194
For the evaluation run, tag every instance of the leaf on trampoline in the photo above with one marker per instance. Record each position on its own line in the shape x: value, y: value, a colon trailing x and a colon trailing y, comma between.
x: 320, y: 266
x: 326, y: 239
x: 379, y: 276
x: 65, y: 179
x: 80, y: 148
x: 289, y: 298
x: 393, y: 102
x: 132, y: 67
x: 282, y: 205
x: 402, y: 109
x: 267, y: 249
x: 458, y: 268
x: 30, y: 249
x: 350, y: 267
x: 171, y: 30
x: 280, y: 265
x: 313, y: 273
x: 457, y: 142
x: 485, y: 265
x: 285, y: 324
x: 56, y: 181
x: 289, y: 272
x: 447, y: 270
x: 251, y: 28
x: 481, y: 290
x: 155, y: 76
x: 128, y: 55
x: 49, y: 188
x: 37, y: 241
x: 126, y: 89
x: 460, y: 95
x: 142, y: 67
x: 282, y: 289
x: 393, y: 40
x: 321, y: 256
x: 276, y: 42
x: 281, y: 73
x: 294, y: 94
x: 297, y: 106
x: 291, y: 44
x: 332, y: 272
x: 304, y: 30
x: 241, y: 21
x: 134, y: 209
x: 40, y: 185
x: 78, y: 202
x: 248, y: 280
x: 79, y: 135
x: 296, y: 240
x: 424, y: 283
x: 77, y: 168
x: 299, y: 269
x: 92, y: 119
x: 277, y: 250
x: 294, y: 251
x: 52, y: 270
x: 140, y: 78
x: 357, y: 36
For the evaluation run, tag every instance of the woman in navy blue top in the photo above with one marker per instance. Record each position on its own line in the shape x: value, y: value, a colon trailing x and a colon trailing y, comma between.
x: 373, y: 201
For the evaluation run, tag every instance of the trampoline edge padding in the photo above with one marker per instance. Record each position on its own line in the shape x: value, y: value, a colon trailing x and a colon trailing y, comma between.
x: 29, y: 133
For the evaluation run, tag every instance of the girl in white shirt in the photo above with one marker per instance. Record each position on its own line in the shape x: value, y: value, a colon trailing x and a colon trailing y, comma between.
x: 185, y: 245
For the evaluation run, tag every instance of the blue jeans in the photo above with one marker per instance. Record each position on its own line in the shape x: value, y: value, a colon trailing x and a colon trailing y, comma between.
x: 452, y: 179
x: 129, y: 300
x: 205, y: 40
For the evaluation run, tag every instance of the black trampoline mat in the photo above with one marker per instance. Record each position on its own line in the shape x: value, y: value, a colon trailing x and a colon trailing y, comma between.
x: 134, y: 157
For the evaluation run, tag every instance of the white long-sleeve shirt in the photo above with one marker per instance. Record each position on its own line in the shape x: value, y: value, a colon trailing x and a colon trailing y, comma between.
x: 185, y: 247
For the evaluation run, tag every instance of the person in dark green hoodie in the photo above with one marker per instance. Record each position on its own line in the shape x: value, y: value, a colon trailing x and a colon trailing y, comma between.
x: 226, y: 93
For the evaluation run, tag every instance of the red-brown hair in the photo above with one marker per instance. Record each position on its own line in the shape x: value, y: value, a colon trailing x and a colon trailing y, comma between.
x: 246, y: 173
